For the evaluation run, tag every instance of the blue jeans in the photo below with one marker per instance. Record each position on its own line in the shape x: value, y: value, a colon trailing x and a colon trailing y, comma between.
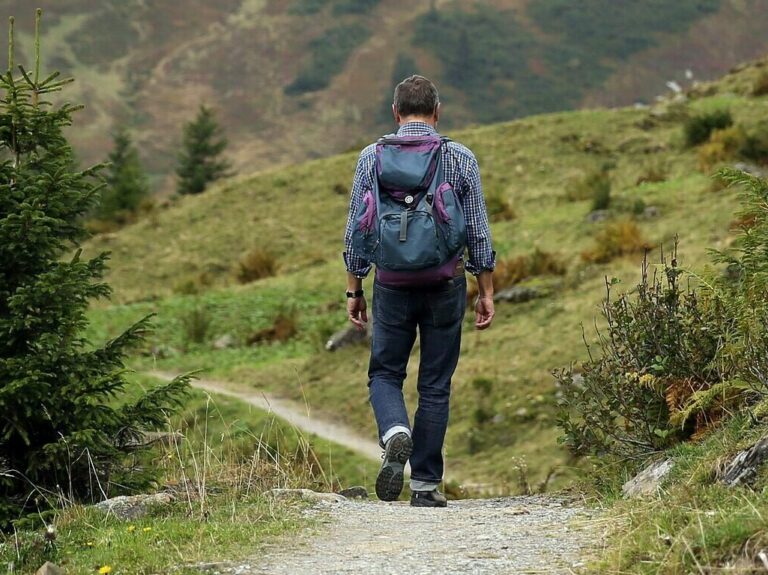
x: 437, y: 314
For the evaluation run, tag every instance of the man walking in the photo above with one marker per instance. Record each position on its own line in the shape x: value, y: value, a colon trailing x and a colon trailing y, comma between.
x: 431, y: 301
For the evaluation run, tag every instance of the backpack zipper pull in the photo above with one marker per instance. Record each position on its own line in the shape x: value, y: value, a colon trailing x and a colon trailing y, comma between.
x: 403, y: 225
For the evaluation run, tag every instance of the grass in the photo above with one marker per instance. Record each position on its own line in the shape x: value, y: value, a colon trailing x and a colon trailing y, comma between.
x: 696, y: 525
x: 230, y: 456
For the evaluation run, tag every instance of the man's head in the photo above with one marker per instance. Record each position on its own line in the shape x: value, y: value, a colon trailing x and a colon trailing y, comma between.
x: 416, y: 99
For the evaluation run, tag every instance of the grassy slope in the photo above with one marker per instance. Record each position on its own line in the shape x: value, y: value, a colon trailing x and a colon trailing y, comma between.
x: 149, y: 66
x: 295, y: 213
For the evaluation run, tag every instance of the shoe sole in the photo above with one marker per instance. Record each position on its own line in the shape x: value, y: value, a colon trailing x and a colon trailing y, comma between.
x: 389, y: 482
x: 422, y: 503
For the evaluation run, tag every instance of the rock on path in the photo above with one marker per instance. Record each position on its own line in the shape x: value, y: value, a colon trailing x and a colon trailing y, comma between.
x: 471, y: 537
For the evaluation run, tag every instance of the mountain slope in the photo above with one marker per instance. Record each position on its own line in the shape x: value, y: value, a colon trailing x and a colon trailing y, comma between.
x: 299, y: 79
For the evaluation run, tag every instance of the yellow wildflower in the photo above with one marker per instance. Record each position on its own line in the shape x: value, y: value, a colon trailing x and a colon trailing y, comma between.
x: 89, y: 544
x: 131, y: 528
x: 105, y: 569
x: 147, y: 529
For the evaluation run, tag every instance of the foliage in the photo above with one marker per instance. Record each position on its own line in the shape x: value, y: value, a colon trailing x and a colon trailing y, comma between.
x: 199, y: 163
x: 328, y: 53
x: 594, y: 185
x: 255, y: 265
x: 755, y: 147
x: 675, y: 361
x: 61, y: 436
x: 197, y: 326
x: 500, y: 209
x: 699, y: 127
x: 599, y: 29
x: 617, y: 239
x: 760, y: 87
x: 723, y: 145
x: 126, y: 181
x: 483, y: 52
x: 511, y: 271
x: 354, y: 6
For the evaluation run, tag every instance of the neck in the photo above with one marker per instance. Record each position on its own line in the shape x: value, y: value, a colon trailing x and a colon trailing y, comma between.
x: 429, y: 120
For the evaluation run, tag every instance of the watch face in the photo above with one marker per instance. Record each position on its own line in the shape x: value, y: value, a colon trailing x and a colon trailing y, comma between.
x: 408, y: 200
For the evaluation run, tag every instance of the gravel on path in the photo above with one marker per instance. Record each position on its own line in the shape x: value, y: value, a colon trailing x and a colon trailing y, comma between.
x: 511, y: 535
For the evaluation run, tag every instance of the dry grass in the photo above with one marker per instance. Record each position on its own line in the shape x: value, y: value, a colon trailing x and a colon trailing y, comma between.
x: 615, y: 240
x: 255, y: 265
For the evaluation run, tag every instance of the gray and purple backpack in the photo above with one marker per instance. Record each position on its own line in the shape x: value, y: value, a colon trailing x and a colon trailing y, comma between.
x: 411, y: 224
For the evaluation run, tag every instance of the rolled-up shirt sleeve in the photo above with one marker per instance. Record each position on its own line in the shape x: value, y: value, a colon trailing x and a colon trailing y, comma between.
x: 479, y: 244
x: 356, y: 265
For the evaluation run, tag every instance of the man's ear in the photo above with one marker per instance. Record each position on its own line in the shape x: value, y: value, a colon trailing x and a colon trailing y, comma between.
x: 395, y: 114
x: 437, y: 113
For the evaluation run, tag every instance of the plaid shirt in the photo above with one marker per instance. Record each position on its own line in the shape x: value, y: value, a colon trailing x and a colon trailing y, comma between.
x: 461, y: 171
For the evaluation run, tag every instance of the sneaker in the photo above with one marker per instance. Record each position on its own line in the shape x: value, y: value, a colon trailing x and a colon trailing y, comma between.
x: 389, y: 482
x: 428, y: 499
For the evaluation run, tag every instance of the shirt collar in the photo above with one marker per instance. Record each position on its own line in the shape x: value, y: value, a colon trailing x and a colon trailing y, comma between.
x: 416, y: 129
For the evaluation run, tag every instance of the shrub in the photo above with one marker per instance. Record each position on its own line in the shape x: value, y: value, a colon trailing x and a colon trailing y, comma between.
x: 255, y: 265
x: 197, y: 326
x: 653, y: 172
x: 617, y: 239
x: 284, y: 327
x: 755, y: 146
x: 538, y: 263
x: 675, y: 361
x: 657, y: 353
x: 760, y: 87
x: 594, y: 185
x: 499, y: 209
x: 698, y: 128
x: 723, y: 145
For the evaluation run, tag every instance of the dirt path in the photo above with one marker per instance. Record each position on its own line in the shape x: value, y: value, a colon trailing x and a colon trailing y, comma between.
x: 296, y: 414
x: 513, y: 535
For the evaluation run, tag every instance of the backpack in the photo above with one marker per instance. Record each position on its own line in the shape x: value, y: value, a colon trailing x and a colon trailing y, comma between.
x: 411, y: 224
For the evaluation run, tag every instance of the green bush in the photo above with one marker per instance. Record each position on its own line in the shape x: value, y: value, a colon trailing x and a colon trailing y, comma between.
x: 595, y: 185
x: 674, y: 361
x: 699, y: 128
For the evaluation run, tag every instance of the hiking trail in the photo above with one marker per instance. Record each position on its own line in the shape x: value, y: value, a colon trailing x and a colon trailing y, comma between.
x: 522, y: 535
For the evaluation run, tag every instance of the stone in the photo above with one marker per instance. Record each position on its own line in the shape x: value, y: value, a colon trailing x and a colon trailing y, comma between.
x: 743, y: 468
x: 356, y: 492
x: 517, y: 294
x: 751, y: 169
x: 648, y: 481
x: 224, y: 342
x: 49, y: 568
x: 305, y: 495
x: 598, y: 216
x: 134, y: 506
x: 651, y: 212
x: 348, y: 336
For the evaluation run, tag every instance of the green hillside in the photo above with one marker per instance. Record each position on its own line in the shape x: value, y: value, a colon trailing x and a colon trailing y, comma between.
x: 300, y: 79
x: 182, y: 261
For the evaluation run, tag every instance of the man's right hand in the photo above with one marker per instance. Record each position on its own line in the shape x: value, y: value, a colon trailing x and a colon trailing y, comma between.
x: 357, y: 311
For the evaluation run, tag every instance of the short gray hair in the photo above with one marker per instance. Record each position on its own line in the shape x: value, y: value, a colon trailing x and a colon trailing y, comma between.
x: 416, y: 96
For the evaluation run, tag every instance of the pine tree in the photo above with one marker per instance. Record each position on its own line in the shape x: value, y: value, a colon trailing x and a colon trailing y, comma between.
x: 200, y: 162
x: 126, y: 182
x: 66, y: 423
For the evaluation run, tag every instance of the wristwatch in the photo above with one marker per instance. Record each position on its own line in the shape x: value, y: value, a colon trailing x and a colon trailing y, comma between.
x: 355, y: 294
